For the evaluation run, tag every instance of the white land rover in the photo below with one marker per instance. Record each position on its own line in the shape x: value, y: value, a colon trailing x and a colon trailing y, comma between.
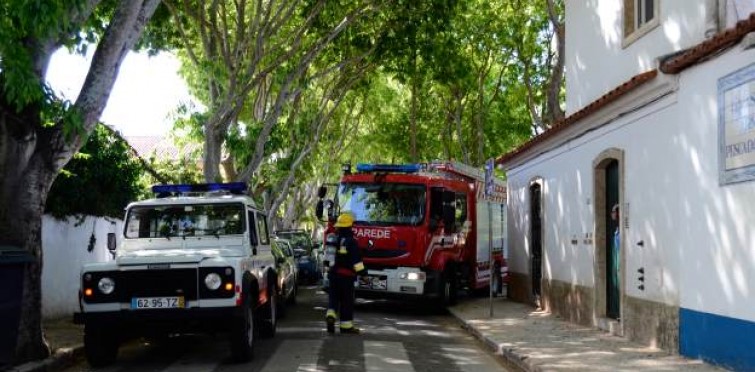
x: 195, y: 259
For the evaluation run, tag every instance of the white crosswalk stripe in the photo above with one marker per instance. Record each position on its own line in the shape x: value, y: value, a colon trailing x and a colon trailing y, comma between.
x: 295, y: 355
x: 469, y: 359
x: 386, y: 357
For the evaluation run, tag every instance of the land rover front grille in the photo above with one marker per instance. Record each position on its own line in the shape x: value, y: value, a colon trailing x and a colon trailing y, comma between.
x: 158, y: 283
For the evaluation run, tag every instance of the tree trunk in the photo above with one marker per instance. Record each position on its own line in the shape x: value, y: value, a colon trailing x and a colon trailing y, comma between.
x: 413, y: 122
x: 554, y: 113
x: 31, y: 155
x: 212, y: 153
x: 24, y: 187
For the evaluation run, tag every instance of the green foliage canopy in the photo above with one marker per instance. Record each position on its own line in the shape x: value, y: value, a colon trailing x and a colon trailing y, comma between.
x: 99, y: 181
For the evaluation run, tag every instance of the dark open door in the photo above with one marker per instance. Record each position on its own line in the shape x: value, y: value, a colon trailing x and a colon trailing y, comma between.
x: 613, y: 260
x: 536, y: 239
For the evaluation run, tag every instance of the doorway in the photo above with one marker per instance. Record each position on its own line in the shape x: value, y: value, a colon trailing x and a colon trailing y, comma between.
x: 537, y: 241
x: 608, y: 191
x: 612, y: 243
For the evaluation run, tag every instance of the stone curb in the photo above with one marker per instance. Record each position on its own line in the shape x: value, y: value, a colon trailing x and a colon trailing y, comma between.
x: 60, y: 358
x: 509, y: 355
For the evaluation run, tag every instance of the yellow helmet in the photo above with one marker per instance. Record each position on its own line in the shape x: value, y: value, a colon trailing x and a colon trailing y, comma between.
x: 346, y: 219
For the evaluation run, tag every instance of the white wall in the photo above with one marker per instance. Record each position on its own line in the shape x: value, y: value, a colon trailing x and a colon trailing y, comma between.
x: 699, y: 240
x: 717, y: 231
x: 568, y: 203
x: 64, y: 247
x: 596, y: 62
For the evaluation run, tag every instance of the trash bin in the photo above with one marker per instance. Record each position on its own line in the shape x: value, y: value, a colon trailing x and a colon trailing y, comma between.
x: 13, y: 261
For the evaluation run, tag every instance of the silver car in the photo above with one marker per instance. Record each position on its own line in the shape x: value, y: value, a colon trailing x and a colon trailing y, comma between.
x: 288, y: 273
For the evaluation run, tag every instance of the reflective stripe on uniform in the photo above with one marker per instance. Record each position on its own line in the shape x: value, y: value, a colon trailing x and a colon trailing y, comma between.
x: 342, y: 250
x: 331, y: 314
x: 359, y: 266
x: 347, y: 325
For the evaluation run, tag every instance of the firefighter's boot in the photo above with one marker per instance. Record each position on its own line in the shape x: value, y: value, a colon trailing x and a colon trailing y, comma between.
x: 349, y: 328
x: 330, y: 321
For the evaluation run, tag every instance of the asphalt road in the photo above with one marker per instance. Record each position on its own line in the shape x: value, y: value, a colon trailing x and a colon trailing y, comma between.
x: 397, y: 337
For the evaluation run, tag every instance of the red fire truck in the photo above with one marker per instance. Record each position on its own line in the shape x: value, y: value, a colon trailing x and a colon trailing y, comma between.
x: 424, y: 230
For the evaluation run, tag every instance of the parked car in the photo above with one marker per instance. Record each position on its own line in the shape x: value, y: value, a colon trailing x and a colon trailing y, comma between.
x: 305, y: 253
x: 288, y: 273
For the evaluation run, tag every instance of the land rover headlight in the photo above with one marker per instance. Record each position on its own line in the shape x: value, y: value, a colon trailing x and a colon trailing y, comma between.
x: 212, y: 281
x: 106, y: 285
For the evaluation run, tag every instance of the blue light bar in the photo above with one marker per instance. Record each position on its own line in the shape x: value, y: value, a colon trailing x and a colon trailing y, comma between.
x: 232, y: 187
x: 397, y: 168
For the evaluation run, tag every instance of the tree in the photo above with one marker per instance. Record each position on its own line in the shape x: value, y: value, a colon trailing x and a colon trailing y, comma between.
x: 39, y: 133
x: 100, y: 180
x: 253, y: 56
x: 541, y: 26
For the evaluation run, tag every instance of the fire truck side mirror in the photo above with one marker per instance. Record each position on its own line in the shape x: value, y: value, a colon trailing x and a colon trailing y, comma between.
x: 449, y: 210
x: 433, y: 225
x: 319, y: 209
x: 321, y: 192
x: 449, y: 216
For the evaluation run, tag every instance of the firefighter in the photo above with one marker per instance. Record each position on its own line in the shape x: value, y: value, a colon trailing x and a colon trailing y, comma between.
x: 348, y: 264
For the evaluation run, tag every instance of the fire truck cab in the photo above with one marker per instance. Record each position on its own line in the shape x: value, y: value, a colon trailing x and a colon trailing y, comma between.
x: 424, y: 230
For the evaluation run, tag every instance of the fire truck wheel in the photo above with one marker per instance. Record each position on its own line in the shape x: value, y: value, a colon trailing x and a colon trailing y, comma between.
x: 243, y: 335
x: 448, y: 288
x: 100, y: 345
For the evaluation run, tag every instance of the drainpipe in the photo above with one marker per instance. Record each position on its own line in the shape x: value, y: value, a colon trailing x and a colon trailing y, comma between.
x: 712, y: 24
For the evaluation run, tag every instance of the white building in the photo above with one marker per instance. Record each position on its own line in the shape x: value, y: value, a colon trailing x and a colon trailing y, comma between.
x: 661, y: 121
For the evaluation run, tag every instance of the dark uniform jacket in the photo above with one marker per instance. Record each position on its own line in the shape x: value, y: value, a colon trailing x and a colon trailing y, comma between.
x: 348, y: 259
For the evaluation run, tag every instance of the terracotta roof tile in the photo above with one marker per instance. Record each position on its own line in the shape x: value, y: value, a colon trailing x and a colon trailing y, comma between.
x: 588, y: 110
x: 709, y: 47
x: 161, y: 147
x: 679, y: 62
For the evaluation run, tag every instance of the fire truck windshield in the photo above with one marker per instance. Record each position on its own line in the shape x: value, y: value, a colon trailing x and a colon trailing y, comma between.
x: 383, y: 203
x: 185, y: 220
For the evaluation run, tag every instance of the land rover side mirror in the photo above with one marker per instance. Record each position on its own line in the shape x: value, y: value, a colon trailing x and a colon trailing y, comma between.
x: 321, y: 192
x: 111, y: 242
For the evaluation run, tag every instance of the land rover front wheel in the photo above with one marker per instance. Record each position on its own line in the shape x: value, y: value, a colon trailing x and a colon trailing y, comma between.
x: 243, y: 335
x: 100, y: 345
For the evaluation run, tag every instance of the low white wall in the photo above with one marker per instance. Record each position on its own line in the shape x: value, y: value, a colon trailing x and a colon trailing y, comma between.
x: 65, y: 247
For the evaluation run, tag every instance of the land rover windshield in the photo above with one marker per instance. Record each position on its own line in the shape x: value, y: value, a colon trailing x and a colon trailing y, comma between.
x: 383, y: 203
x: 185, y: 220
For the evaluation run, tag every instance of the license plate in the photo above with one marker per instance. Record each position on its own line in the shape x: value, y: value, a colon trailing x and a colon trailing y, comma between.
x: 373, y: 282
x: 157, y: 302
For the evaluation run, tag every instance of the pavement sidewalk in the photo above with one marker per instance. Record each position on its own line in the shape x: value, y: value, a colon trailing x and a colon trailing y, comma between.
x: 538, y: 341
x: 66, y: 342
x: 525, y: 338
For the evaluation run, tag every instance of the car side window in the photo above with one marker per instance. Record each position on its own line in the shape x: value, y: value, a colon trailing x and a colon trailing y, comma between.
x: 252, y: 229
x: 264, y: 238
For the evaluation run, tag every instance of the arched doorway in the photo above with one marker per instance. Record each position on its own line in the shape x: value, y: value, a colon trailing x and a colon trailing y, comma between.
x: 608, y: 192
x: 536, y: 237
x: 612, y: 246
